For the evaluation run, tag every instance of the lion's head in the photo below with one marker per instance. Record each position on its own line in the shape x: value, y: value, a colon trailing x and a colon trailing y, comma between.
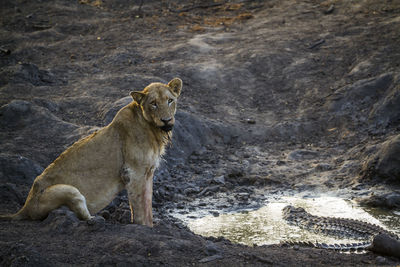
x: 158, y: 102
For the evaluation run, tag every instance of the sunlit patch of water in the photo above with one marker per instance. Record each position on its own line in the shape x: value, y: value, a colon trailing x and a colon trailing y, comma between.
x: 266, y: 225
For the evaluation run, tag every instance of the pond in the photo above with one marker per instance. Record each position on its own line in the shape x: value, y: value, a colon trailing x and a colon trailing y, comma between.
x: 265, y: 225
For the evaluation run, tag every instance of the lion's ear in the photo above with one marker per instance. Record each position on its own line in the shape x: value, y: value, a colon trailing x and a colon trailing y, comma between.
x: 176, y: 86
x: 137, y: 96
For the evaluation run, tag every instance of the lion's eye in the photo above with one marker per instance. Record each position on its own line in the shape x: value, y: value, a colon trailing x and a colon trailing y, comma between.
x: 170, y: 101
x: 153, y: 104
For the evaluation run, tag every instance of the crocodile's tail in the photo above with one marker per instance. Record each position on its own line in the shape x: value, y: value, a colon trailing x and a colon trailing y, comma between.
x: 348, y: 247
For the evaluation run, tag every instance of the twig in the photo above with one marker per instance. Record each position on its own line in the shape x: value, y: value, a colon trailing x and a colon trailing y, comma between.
x: 318, y: 43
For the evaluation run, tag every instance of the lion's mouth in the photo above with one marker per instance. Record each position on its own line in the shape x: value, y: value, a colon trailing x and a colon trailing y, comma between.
x: 167, y: 127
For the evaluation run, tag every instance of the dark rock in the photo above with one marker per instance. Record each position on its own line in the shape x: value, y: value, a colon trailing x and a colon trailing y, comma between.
x: 13, y: 112
x: 214, y: 188
x: 50, y: 105
x: 96, y: 223
x: 9, y: 194
x: 214, y: 213
x: 381, y: 260
x: 389, y: 201
x: 359, y: 95
x: 280, y: 162
x: 211, y: 248
x: 30, y: 73
x: 28, y: 122
x: 61, y: 220
x: 123, y: 216
x: 18, y: 170
x: 386, y: 245
x: 191, y: 190
x: 105, y: 214
x: 219, y: 180
x: 330, y: 10
x: 322, y: 167
x: 385, y: 164
x: 386, y: 112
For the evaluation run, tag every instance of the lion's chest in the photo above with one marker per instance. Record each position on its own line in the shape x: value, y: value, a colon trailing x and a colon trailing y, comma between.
x: 144, y: 157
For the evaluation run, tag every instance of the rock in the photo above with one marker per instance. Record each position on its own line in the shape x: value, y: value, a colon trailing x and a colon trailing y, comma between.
x: 15, y: 111
x: 211, y: 248
x: 96, y: 223
x: 385, y: 164
x: 50, y: 105
x: 298, y: 155
x: 123, y: 216
x: 18, y: 170
x: 322, y: 167
x: 9, y: 194
x: 191, y: 190
x: 219, y: 180
x: 61, y: 220
x: 381, y: 260
x: 359, y: 95
x: 26, y: 122
x: 214, y: 188
x: 386, y: 245
x: 280, y: 162
x: 214, y: 213
x: 386, y: 112
x: 105, y: 214
x: 30, y: 73
x: 389, y: 201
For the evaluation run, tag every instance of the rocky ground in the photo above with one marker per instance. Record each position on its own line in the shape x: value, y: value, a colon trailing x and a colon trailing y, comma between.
x: 279, y: 97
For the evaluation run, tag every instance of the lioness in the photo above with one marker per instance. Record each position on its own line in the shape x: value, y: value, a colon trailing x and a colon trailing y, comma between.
x: 124, y: 154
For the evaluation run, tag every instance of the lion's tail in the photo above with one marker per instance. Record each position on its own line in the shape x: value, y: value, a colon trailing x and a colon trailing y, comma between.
x: 20, y: 215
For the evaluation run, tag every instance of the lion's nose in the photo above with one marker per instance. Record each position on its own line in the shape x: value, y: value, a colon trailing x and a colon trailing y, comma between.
x: 166, y: 120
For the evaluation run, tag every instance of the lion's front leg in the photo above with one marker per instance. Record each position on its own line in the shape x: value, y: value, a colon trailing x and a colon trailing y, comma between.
x: 140, y: 192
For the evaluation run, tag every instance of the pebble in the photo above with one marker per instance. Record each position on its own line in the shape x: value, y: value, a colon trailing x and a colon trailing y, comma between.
x: 214, y: 213
x: 211, y: 248
x: 381, y: 260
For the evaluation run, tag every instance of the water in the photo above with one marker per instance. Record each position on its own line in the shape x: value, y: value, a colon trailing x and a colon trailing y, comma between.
x: 266, y: 225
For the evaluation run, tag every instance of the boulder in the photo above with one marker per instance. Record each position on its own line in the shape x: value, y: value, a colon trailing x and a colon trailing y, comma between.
x: 385, y: 163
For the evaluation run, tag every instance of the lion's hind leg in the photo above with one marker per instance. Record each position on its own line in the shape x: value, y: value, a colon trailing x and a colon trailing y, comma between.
x: 61, y: 194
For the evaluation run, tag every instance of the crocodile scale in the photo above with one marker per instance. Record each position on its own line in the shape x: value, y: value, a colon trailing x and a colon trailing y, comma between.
x: 338, y: 227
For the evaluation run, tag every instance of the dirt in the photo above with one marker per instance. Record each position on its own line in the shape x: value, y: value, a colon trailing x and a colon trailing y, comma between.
x: 278, y: 97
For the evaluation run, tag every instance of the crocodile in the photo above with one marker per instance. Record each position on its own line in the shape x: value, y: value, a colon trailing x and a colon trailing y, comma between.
x: 338, y: 227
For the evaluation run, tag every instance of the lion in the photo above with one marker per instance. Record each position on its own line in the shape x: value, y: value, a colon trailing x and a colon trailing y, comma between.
x: 123, y: 155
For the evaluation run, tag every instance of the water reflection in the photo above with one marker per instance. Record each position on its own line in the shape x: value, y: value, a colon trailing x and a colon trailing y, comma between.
x: 266, y: 226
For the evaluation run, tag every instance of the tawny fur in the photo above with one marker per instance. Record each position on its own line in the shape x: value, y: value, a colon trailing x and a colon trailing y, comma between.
x: 124, y: 154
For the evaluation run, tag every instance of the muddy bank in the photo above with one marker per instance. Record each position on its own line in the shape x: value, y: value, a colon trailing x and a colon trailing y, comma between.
x: 279, y: 97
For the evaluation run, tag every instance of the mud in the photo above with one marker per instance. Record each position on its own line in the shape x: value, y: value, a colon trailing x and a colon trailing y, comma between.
x: 279, y: 97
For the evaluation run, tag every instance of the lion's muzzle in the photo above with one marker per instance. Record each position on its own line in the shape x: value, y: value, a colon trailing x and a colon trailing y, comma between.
x: 167, y: 125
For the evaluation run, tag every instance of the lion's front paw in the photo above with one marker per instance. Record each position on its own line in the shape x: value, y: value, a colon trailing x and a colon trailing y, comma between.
x: 96, y: 223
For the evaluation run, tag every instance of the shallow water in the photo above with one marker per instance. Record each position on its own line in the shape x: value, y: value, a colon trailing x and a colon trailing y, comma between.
x: 266, y: 226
